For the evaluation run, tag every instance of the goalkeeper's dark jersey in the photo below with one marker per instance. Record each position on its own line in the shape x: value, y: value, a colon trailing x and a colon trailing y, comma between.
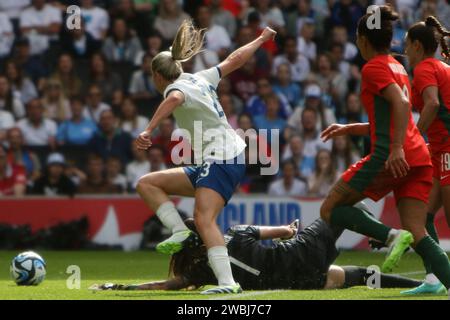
x: 299, y: 263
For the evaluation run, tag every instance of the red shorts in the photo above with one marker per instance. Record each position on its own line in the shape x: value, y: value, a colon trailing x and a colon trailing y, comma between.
x: 441, y: 167
x: 375, y: 182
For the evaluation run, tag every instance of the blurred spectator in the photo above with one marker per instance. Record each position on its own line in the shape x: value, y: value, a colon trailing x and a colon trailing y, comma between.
x: 223, y: 17
x: 114, y: 173
x: 130, y: 121
x: 227, y: 105
x: 66, y: 75
x: 96, y: 182
x: 169, y: 18
x: 96, y: 19
x: 337, y: 54
x: 145, y: 6
x: 6, y: 123
x: 110, y: 140
x: 271, y: 121
x: 332, y: 83
x: 313, y: 99
x: 304, y: 14
x: 254, y: 23
x: 137, y: 168
x: 354, y: 112
x: 325, y: 175
x: 75, y: 174
x: 137, y: 20
x: 56, y: 105
x: 20, y: 83
x: 294, y: 151
x: 270, y: 16
x: 54, y: 181
x: 12, y: 177
x: 257, y: 104
x: 347, y: 13
x: 78, y: 130
x: 37, y: 129
x: 156, y: 158
x: 224, y: 87
x: 32, y: 66
x: 163, y: 139
x: 9, y: 100
x: 152, y: 45
x: 311, y: 140
x: 19, y: 155
x: 343, y: 153
x: 94, y: 104
x: 340, y: 35
x: 216, y: 37
x: 299, y: 64
x: 13, y: 8
x: 40, y: 23
x: 122, y: 45
x: 6, y: 36
x: 243, y: 80
x: 285, y: 86
x: 289, y: 185
x: 305, y: 41
x: 141, y: 84
x: 109, y: 82
x: 79, y: 43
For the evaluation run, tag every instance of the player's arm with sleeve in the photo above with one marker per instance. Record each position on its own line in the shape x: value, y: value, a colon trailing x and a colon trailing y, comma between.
x: 174, y: 99
x: 241, y: 55
x: 426, y: 83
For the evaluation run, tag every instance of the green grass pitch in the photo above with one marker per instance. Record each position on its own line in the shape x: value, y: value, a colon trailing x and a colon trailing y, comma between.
x: 136, y: 267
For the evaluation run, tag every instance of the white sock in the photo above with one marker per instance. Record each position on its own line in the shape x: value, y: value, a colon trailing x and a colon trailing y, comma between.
x: 170, y: 217
x: 220, y: 264
x: 431, y: 279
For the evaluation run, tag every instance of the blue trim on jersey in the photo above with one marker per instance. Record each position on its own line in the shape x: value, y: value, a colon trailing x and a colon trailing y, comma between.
x: 219, y: 71
x: 222, y: 177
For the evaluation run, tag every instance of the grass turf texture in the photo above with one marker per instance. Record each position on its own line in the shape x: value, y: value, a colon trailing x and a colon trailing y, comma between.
x: 137, y: 267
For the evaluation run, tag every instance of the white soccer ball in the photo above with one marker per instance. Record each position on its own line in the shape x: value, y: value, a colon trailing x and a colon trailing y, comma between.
x: 28, y: 269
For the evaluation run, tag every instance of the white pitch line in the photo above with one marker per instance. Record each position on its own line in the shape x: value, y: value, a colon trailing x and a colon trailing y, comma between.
x: 411, y: 273
x: 244, y: 295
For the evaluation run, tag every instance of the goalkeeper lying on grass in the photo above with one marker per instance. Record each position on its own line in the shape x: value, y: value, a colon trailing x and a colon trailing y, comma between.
x: 304, y: 261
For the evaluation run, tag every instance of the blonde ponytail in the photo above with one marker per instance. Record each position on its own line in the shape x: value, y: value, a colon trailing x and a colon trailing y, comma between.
x: 187, y: 43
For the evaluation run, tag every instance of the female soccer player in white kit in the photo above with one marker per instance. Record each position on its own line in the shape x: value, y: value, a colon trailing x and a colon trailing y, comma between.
x: 219, y: 157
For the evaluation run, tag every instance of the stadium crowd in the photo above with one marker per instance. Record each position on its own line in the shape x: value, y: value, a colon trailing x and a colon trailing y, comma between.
x: 72, y: 100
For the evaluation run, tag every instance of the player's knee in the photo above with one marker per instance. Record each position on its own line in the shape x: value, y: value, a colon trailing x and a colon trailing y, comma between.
x: 145, y: 183
x: 325, y: 212
x: 202, y: 221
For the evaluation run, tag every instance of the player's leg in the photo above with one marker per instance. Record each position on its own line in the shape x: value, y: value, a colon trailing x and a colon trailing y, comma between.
x: 413, y: 216
x: 445, y: 194
x: 155, y: 189
x: 338, y: 211
x: 431, y: 284
x: 208, y: 205
x: 350, y: 276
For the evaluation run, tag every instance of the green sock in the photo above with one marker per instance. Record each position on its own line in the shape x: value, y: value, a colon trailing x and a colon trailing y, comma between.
x: 433, y: 234
x: 360, y: 221
x: 433, y: 255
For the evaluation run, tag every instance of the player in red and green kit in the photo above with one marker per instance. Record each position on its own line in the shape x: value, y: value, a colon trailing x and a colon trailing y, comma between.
x: 431, y: 96
x: 399, y: 160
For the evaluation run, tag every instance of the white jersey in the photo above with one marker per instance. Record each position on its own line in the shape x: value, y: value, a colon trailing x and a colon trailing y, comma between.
x: 201, y: 115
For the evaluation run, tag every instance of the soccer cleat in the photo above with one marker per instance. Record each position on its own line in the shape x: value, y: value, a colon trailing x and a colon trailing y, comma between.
x: 402, y: 240
x: 178, y: 241
x: 236, y: 288
x: 426, y: 288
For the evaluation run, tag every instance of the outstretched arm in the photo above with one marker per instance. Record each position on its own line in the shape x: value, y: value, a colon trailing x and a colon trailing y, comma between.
x: 284, y: 232
x: 240, y: 56
x: 165, y: 109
